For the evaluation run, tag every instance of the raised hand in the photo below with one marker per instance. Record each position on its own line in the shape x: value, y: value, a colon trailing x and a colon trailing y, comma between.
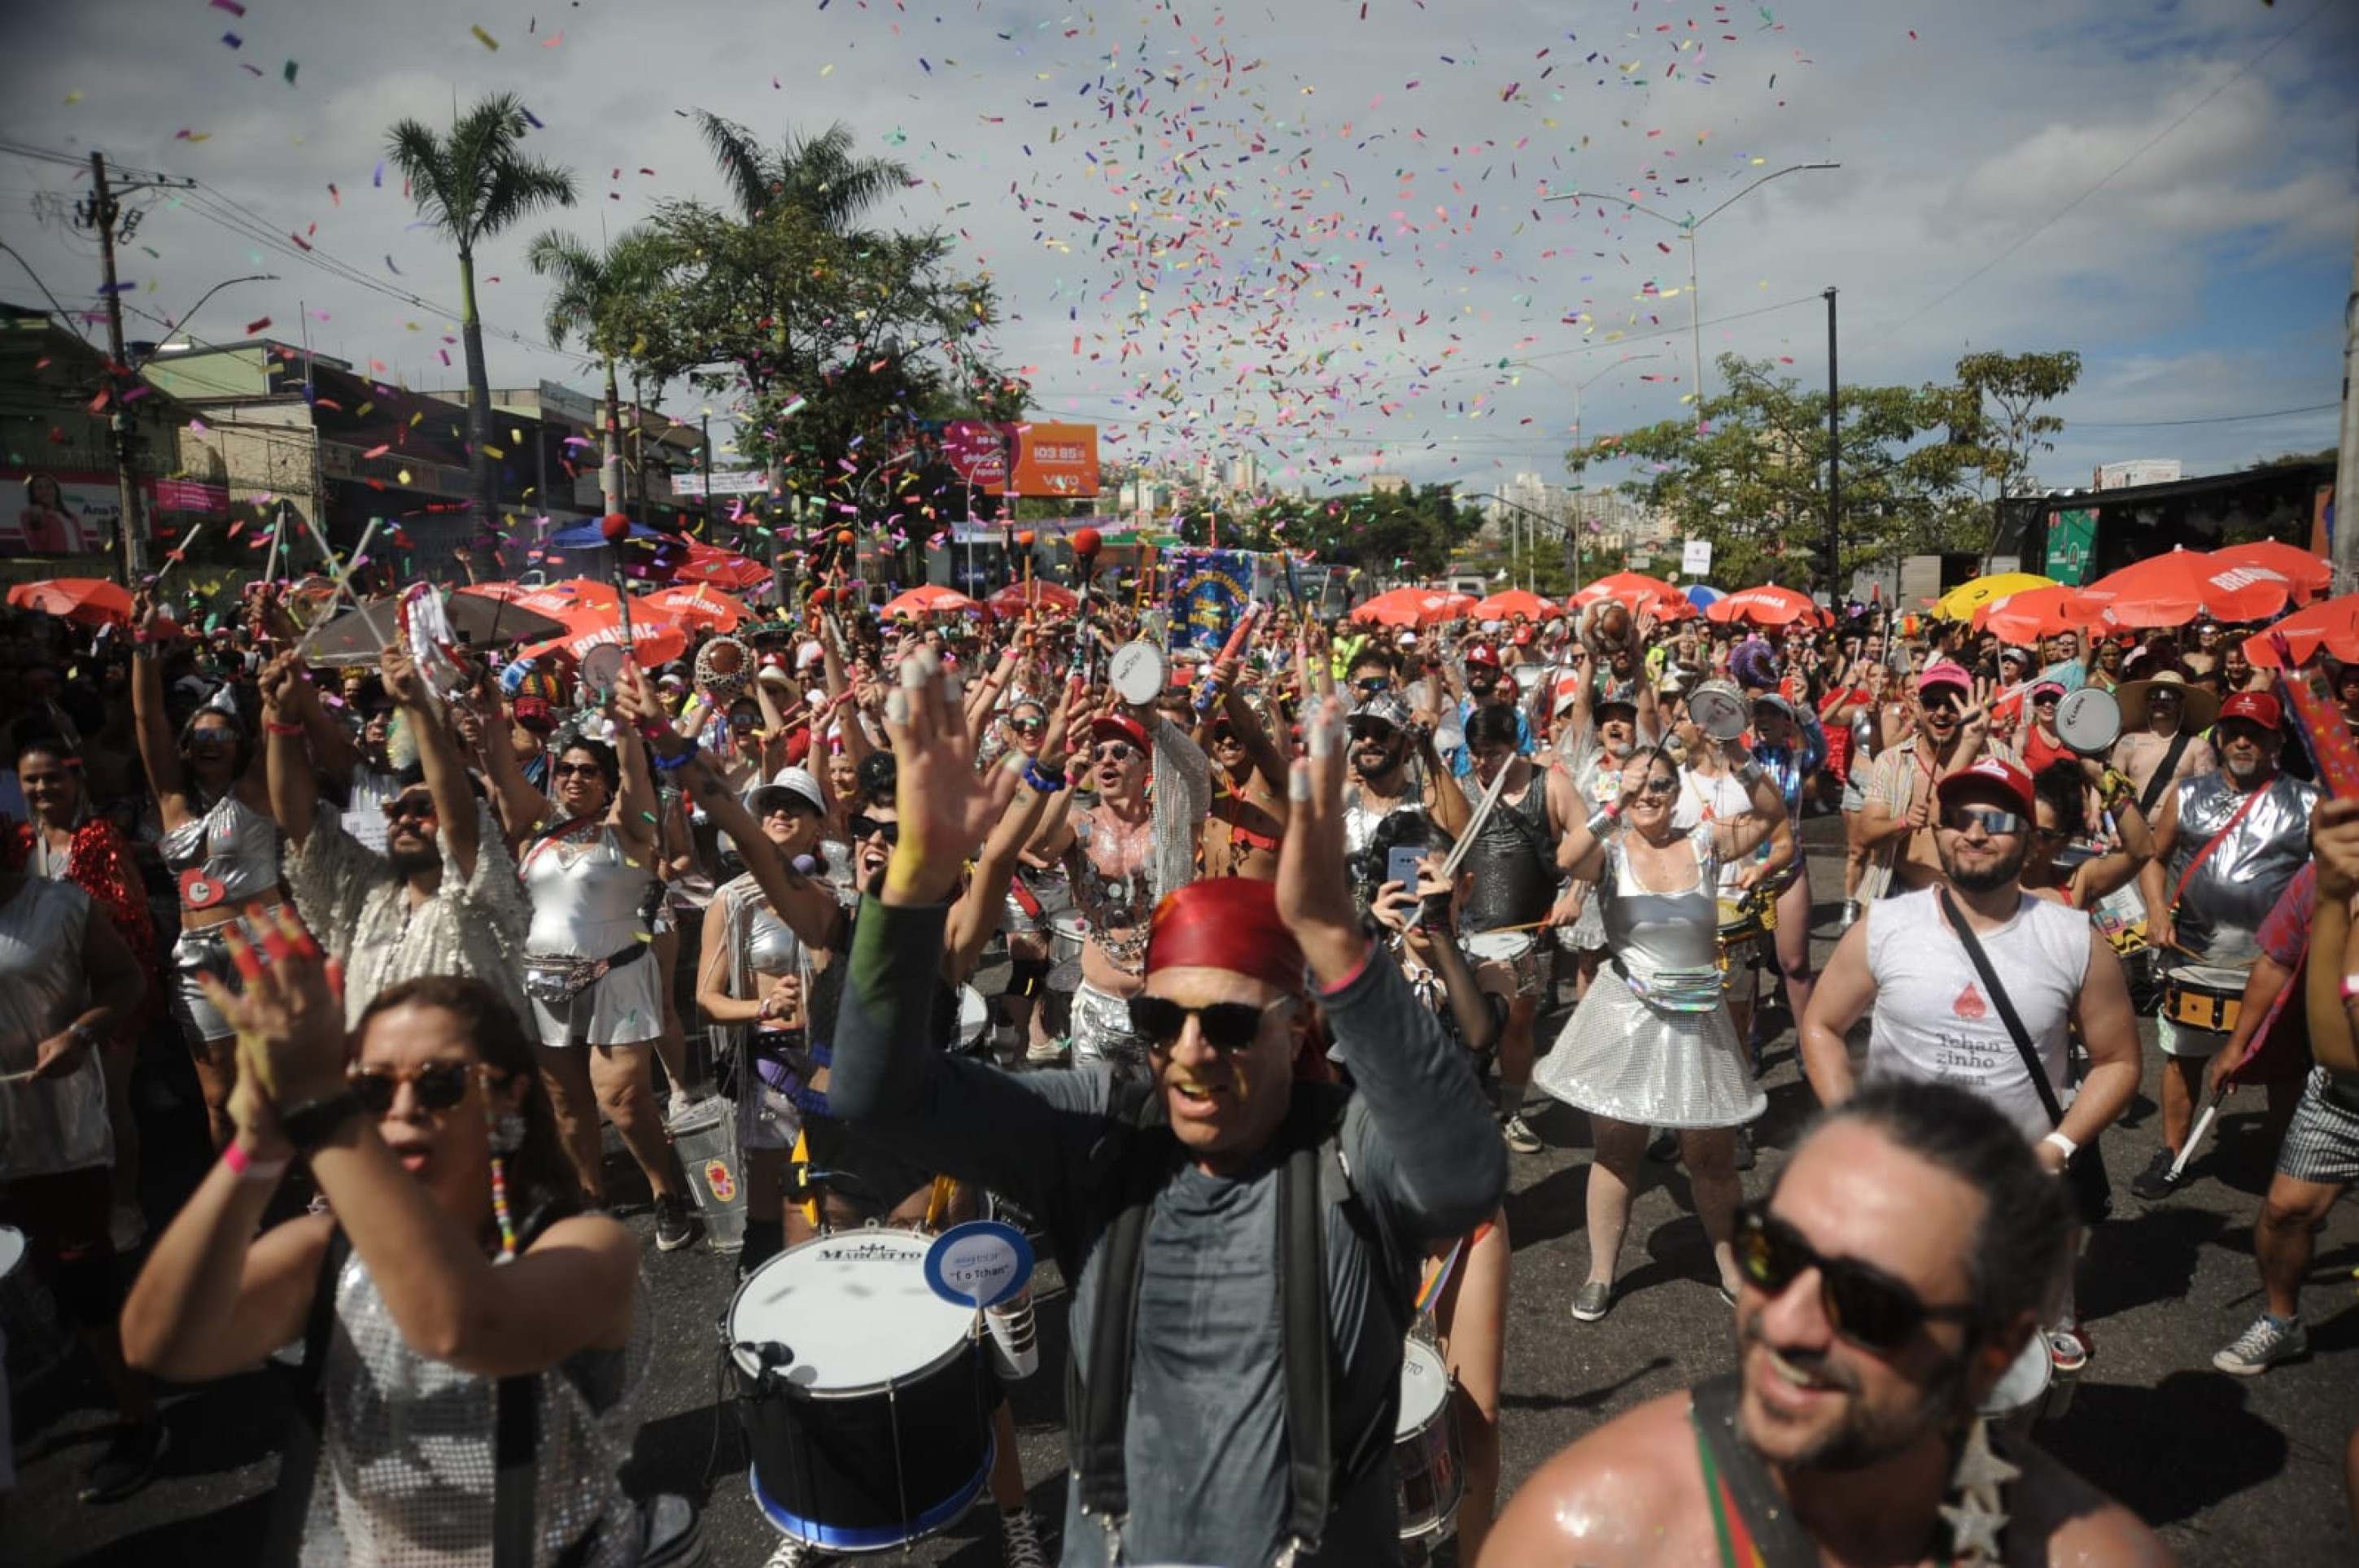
x: 288, y: 1018
x: 399, y: 676
x: 1314, y: 898
x: 946, y: 809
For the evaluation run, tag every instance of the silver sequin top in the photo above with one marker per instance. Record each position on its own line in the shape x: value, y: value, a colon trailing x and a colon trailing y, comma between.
x: 2219, y: 913
x: 407, y: 1459
x: 235, y: 846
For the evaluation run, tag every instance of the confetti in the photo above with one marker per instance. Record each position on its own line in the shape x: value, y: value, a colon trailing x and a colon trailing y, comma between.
x: 482, y: 37
x: 232, y: 6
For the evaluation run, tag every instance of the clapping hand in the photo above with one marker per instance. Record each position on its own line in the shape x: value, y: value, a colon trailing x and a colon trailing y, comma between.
x: 1314, y: 896
x: 946, y: 808
x: 289, y: 1016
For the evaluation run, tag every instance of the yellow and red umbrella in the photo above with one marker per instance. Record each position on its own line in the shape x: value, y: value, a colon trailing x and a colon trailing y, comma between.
x: 1960, y: 603
x: 92, y: 601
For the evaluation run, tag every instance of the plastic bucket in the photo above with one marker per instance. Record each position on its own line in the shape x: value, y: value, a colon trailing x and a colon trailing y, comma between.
x: 705, y: 1134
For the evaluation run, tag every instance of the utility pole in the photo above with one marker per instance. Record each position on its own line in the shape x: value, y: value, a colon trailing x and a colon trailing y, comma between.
x: 1834, y: 467
x: 704, y: 431
x: 103, y: 212
x: 2346, y: 466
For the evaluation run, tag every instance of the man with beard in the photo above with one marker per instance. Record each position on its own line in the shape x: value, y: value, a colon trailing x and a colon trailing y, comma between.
x: 441, y: 898
x: 1394, y: 767
x: 1226, y: 1407
x: 2225, y: 846
x: 1897, y: 1267
x: 1125, y: 853
x: 1897, y: 828
x: 2163, y: 721
x: 1482, y: 686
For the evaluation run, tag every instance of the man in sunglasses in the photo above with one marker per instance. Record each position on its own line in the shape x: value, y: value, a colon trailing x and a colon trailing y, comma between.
x: 1898, y: 1266
x: 1896, y: 827
x: 2226, y: 846
x: 2163, y: 739
x: 1227, y: 1408
x: 441, y: 898
x: 1479, y: 688
x: 1393, y: 766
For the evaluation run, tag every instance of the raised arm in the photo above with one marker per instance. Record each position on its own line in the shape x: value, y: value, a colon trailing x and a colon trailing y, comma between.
x: 1580, y: 854
x: 522, y: 807
x: 977, y: 912
x: 633, y: 815
x: 151, y: 726
x: 437, y: 756
x: 294, y: 784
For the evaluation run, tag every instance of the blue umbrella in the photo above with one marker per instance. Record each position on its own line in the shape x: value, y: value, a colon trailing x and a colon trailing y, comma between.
x: 1703, y: 596
x: 587, y: 537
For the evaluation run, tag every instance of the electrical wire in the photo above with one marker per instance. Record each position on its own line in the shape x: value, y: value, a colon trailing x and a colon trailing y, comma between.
x: 2206, y: 419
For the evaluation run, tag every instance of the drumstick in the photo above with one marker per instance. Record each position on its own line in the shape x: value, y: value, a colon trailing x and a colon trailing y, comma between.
x: 26, y: 1076
x: 1465, y: 838
x: 1503, y: 930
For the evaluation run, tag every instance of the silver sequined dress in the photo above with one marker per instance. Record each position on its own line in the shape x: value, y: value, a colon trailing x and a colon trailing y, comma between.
x: 406, y: 1452
x: 1670, y: 1061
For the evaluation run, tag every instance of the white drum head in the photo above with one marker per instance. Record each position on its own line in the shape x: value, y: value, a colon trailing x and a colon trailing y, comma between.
x: 601, y: 667
x: 2212, y: 978
x: 854, y: 1311
x: 1071, y: 923
x: 2022, y: 1384
x: 1138, y: 672
x: 12, y: 1249
x: 1498, y: 946
x: 975, y: 1013
x: 2089, y: 721
x: 1425, y: 1388
x: 1718, y: 709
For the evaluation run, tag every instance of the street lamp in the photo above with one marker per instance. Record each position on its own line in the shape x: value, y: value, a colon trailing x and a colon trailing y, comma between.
x: 1687, y: 227
x: 1572, y: 533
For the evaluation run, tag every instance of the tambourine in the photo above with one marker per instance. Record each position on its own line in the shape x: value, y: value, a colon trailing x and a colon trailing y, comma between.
x: 433, y: 647
x: 601, y: 670
x: 310, y: 602
x: 1719, y: 710
x: 1138, y: 671
x: 2089, y: 721
x: 724, y: 667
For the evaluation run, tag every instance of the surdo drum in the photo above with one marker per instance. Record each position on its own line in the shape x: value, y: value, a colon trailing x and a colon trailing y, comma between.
x: 863, y: 1397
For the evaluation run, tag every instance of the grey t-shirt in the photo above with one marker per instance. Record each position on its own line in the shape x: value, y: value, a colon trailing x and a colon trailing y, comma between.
x: 1205, y: 1444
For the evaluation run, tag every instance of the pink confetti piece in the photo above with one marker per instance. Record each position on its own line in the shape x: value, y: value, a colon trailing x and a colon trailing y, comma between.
x: 232, y: 6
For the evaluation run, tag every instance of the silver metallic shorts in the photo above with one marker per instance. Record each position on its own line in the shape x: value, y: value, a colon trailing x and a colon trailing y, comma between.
x: 1102, y: 1031
x: 199, y: 952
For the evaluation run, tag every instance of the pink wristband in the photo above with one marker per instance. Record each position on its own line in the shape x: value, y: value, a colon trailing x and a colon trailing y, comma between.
x: 1353, y: 973
x: 246, y: 1168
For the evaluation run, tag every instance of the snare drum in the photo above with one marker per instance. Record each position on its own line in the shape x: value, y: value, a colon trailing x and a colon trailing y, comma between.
x: 2203, y: 996
x: 1425, y: 1446
x: 863, y: 1396
x: 2015, y: 1399
x: 1498, y: 947
x: 1741, y: 931
x: 1068, y: 935
x: 974, y: 1015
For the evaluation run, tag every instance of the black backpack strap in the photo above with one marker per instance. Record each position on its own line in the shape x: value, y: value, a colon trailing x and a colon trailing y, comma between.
x: 2162, y: 772
x: 1127, y: 1166
x: 1309, y: 1346
x: 2007, y: 1013
x: 299, y: 1466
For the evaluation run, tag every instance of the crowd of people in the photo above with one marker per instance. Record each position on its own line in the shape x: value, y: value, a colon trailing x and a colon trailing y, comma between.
x: 1230, y: 992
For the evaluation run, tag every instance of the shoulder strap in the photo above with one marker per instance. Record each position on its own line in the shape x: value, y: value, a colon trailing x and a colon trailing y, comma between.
x: 1754, y: 1527
x: 2252, y: 799
x: 2152, y: 793
x: 299, y: 1468
x: 1309, y: 1347
x: 2022, y: 1037
x: 516, y: 1446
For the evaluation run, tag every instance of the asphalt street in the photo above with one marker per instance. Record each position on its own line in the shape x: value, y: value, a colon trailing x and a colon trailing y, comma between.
x: 2231, y: 1470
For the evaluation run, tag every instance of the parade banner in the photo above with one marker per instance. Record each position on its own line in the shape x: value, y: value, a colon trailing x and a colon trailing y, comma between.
x: 1210, y: 588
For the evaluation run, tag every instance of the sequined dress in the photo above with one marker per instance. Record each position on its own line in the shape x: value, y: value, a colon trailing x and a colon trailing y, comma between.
x: 1651, y: 1044
x: 407, y: 1457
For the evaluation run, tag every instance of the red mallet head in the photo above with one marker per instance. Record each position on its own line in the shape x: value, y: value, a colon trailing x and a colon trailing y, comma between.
x: 1025, y: 538
x: 843, y: 536
x: 818, y: 596
x: 613, y: 525
x: 1086, y: 543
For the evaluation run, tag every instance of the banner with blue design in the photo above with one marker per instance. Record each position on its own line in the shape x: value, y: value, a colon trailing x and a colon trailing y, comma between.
x: 1209, y: 590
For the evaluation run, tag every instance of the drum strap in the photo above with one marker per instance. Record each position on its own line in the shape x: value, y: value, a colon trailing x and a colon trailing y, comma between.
x: 1750, y: 1518
x: 2252, y: 799
x: 2162, y: 772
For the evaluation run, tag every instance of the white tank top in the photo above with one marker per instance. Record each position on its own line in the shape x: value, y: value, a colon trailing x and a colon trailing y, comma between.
x: 1933, y: 1019
x: 1722, y: 798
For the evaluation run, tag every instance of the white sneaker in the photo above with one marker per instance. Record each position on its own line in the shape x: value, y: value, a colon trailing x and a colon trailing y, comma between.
x: 793, y: 1553
x: 1046, y: 1051
x: 1019, y: 1540
x: 679, y: 1104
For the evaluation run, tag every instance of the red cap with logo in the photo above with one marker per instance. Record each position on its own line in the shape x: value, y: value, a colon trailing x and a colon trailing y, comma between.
x: 2255, y: 708
x: 1483, y: 653
x: 1121, y: 726
x: 1996, y: 771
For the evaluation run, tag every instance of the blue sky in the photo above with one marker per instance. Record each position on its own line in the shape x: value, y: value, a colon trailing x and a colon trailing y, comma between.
x: 1362, y: 233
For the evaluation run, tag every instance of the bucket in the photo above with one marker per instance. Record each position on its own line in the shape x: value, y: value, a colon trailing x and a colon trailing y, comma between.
x: 705, y: 1134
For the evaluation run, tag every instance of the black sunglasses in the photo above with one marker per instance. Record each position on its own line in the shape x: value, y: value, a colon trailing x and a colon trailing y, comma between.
x: 1372, y: 684
x: 1866, y: 1306
x: 438, y: 1085
x: 869, y: 827
x: 418, y: 806
x: 1371, y: 729
x: 575, y: 770
x: 1027, y: 726
x: 1225, y: 1026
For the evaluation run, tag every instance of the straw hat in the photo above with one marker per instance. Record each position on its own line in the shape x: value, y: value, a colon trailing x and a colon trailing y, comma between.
x: 2196, y: 702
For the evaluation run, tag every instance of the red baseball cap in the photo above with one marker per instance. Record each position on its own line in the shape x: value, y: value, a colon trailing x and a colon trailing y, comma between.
x: 1121, y: 726
x: 2253, y: 707
x: 1993, y: 770
x: 1483, y: 653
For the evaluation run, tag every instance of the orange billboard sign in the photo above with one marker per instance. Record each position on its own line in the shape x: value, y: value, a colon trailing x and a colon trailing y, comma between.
x: 1056, y: 459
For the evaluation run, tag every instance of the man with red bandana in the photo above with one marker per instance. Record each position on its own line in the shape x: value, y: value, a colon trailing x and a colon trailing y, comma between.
x: 1167, y: 1204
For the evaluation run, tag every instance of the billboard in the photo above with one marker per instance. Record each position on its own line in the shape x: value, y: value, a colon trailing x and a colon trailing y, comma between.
x: 977, y: 453
x: 1050, y: 460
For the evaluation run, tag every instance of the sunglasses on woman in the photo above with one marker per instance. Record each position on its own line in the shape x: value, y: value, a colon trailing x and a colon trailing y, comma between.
x: 438, y: 1085
x: 574, y: 770
x: 1227, y: 1026
x: 1866, y: 1306
x: 1658, y: 785
x: 869, y: 827
x: 1027, y: 726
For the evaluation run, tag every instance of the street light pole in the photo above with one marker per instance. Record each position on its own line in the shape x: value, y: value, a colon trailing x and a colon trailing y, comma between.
x: 1687, y: 227
x: 1835, y: 467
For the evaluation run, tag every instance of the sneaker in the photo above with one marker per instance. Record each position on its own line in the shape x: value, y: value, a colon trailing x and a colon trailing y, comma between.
x: 793, y: 1553
x: 126, y: 1227
x: 1520, y: 1138
x: 676, y: 1224
x: 128, y: 1464
x: 2269, y: 1341
x: 2155, y: 1182
x: 1589, y: 1303
x: 1019, y: 1540
x: 1745, y: 1149
x: 1042, y: 1052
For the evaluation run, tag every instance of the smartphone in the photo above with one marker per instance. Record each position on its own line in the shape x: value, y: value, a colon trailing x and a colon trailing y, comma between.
x: 1400, y: 865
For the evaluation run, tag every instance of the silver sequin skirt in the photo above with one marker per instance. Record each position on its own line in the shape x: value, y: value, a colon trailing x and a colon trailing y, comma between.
x: 1621, y: 1059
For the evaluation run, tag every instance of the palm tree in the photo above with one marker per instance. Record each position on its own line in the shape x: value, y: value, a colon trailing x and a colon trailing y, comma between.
x: 818, y: 175
x: 471, y: 185
x: 589, y: 301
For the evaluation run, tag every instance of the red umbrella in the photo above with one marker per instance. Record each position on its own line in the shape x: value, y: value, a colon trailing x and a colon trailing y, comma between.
x: 694, y: 605
x: 1639, y: 592
x: 92, y: 601
x: 2307, y: 571
x: 1447, y: 607
x: 2172, y: 590
x: 2032, y: 615
x: 724, y: 568
x: 2332, y: 625
x: 559, y: 600
x: 1514, y: 602
x: 1767, y: 605
x: 654, y: 640
x: 1410, y: 607
x: 1016, y: 597
x: 932, y: 599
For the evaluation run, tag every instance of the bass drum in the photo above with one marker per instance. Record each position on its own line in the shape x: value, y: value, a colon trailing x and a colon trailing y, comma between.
x: 863, y: 1397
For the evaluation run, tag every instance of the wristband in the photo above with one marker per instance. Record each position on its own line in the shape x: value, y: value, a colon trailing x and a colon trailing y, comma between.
x: 685, y: 755
x: 272, y: 727
x: 246, y: 1168
x: 1604, y: 821
x: 2064, y: 1145
x: 1047, y: 783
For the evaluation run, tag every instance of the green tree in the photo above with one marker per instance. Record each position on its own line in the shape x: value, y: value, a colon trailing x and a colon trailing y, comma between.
x: 816, y: 177
x: 470, y: 186
x: 1753, y: 480
x: 2003, y: 396
x: 596, y: 297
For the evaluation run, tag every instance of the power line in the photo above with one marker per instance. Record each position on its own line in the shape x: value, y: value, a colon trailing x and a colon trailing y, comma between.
x: 2207, y: 419
x: 2142, y: 148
